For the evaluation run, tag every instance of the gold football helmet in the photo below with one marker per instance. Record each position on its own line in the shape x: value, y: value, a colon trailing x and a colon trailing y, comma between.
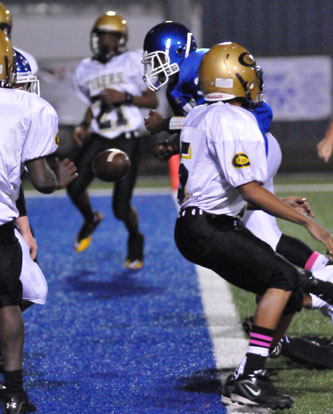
x: 7, y: 61
x: 113, y: 23
x: 6, y: 22
x: 229, y: 71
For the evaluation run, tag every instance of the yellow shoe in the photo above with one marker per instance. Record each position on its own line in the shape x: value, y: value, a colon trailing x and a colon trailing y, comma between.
x: 83, y: 238
x: 81, y: 245
x: 135, y: 265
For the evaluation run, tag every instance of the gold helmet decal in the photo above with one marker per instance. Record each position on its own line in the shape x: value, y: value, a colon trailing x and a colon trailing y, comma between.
x: 229, y: 71
x: 7, y: 61
x: 6, y: 22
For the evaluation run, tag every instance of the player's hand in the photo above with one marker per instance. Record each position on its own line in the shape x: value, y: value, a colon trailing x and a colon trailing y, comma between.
x: 31, y: 242
x: 154, y: 122
x: 321, y: 234
x: 325, y: 149
x: 164, y: 150
x: 65, y: 171
x: 80, y: 135
x: 112, y: 96
x: 300, y: 204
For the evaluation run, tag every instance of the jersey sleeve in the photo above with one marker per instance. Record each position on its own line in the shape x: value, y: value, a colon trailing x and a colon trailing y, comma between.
x: 136, y: 60
x: 239, y: 149
x: 42, y: 137
x: 80, y: 90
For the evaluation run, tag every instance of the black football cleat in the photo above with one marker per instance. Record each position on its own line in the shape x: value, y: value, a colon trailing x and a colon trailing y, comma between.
x: 257, y: 390
x: 228, y: 389
x: 17, y: 403
x: 320, y: 288
x: 83, y: 238
x: 134, y: 259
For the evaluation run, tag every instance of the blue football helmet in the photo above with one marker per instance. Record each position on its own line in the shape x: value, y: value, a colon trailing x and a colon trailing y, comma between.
x: 165, y: 47
x: 24, y: 78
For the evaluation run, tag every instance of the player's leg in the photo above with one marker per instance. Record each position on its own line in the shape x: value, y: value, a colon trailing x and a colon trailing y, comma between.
x: 11, y: 322
x: 77, y: 190
x: 122, y: 207
x: 222, y: 244
x: 300, y: 254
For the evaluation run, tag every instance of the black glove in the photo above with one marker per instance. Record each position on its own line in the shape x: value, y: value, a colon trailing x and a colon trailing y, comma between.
x: 164, y: 150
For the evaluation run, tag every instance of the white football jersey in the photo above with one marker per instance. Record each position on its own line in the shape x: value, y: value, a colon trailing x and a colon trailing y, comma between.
x: 29, y: 127
x: 221, y: 149
x: 263, y: 225
x: 33, y: 280
x: 124, y: 73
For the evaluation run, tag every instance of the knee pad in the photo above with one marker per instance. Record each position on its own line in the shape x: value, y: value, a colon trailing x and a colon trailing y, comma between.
x: 295, y: 302
x: 286, y: 277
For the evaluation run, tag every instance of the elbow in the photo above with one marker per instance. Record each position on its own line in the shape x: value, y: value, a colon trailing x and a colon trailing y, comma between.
x: 45, y: 185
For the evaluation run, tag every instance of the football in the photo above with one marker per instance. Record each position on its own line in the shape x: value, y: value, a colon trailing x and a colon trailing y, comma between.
x: 111, y: 165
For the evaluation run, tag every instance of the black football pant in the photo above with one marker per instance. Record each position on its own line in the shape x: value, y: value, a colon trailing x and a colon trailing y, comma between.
x: 123, y: 189
x: 10, y: 267
x: 223, y: 244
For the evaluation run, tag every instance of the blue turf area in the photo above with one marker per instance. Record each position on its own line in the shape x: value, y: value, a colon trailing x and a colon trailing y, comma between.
x: 111, y: 340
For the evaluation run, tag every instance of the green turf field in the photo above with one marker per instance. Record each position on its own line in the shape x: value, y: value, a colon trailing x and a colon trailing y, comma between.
x: 311, y: 389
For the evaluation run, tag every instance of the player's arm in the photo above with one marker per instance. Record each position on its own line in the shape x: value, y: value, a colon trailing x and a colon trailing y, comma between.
x: 156, y: 123
x: 265, y: 200
x: 148, y: 98
x: 22, y: 223
x: 47, y: 180
x: 80, y: 132
x: 325, y: 146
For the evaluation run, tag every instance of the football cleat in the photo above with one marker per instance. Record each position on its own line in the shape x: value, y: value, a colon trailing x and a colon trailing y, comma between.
x: 257, y: 390
x: 17, y: 403
x: 228, y: 389
x: 134, y: 259
x: 83, y: 238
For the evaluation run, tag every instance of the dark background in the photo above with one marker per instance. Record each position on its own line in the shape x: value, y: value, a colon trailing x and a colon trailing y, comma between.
x: 267, y: 28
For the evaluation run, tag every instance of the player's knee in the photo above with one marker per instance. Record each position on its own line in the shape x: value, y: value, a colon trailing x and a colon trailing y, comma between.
x: 285, y: 277
x: 121, y: 211
x: 295, y: 302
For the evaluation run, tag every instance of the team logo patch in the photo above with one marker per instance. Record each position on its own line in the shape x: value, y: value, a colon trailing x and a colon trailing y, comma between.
x: 240, y: 160
x: 56, y: 139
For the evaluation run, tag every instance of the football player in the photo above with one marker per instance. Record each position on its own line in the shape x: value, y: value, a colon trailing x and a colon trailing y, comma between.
x: 6, y: 25
x: 110, y: 83
x: 171, y: 57
x: 223, y: 162
x: 29, y: 126
x: 33, y: 281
